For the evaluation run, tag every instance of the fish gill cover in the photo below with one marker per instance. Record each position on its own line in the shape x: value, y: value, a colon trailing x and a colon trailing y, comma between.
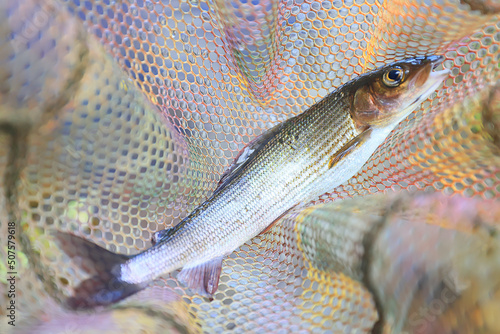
x: 119, y: 117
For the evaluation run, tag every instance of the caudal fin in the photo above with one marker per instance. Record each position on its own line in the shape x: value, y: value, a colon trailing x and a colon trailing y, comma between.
x: 105, y: 287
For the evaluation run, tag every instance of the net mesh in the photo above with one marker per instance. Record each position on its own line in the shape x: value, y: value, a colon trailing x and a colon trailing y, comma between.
x: 119, y: 117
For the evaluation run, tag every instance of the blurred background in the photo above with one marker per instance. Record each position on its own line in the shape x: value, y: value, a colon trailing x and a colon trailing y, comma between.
x: 118, y: 117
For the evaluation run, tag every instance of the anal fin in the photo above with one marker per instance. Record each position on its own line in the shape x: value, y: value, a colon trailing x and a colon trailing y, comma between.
x: 350, y: 147
x: 202, y: 279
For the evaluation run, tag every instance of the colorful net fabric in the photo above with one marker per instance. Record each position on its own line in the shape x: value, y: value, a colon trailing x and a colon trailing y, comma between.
x: 119, y: 117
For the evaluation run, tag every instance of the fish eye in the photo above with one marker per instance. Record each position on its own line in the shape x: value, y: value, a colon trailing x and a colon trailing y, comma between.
x: 393, y: 77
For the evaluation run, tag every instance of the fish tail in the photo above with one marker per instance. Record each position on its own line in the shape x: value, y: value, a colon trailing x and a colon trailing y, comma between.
x: 105, y: 286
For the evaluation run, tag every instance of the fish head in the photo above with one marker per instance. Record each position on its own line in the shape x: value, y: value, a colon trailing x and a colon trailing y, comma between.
x: 384, y: 97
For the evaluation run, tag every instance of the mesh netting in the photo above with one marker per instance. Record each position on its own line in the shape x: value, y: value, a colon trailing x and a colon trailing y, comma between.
x: 431, y: 261
x: 119, y: 117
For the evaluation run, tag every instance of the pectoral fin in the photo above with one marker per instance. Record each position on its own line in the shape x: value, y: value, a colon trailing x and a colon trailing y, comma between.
x: 277, y: 220
x: 350, y: 147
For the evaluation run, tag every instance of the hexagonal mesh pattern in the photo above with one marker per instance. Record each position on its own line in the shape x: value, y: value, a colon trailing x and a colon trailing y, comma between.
x: 431, y: 261
x: 119, y: 118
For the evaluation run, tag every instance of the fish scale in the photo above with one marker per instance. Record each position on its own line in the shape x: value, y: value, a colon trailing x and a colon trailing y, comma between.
x: 286, y: 167
x: 219, y: 222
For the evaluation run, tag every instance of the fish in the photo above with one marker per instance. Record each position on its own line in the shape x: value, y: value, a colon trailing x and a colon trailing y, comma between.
x: 286, y: 167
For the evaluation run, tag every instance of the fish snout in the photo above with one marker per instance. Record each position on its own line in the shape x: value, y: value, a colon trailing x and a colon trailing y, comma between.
x: 435, y: 60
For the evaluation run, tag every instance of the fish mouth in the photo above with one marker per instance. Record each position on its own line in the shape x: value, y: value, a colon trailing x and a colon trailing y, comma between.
x: 435, y: 60
x: 434, y: 78
x: 437, y: 76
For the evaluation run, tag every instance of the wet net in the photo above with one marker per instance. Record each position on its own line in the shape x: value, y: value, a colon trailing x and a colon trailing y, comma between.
x: 119, y: 117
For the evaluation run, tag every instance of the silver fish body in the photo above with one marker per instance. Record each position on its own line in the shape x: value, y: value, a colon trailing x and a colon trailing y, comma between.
x: 291, y: 168
x: 288, y: 166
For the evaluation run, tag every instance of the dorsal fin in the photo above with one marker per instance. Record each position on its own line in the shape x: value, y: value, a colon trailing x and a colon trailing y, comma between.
x: 94, y: 258
x: 243, y: 157
x: 247, y: 154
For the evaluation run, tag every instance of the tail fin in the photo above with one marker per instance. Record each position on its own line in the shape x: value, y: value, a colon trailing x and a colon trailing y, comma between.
x: 105, y: 287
